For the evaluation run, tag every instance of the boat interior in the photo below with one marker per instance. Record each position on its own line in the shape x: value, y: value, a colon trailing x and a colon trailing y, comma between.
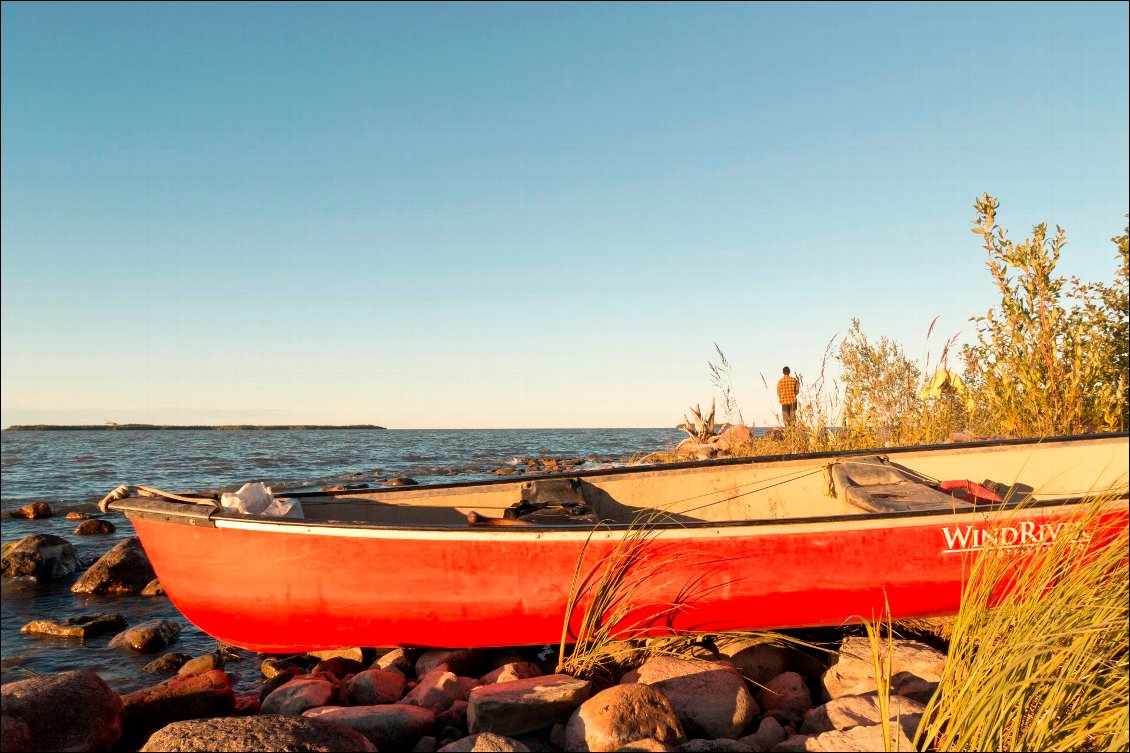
x: 953, y: 478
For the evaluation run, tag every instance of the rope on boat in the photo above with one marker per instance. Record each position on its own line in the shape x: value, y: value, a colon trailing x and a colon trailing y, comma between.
x: 124, y: 491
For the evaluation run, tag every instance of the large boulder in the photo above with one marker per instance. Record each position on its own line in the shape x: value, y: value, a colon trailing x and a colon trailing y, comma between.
x: 393, y: 726
x: 486, y: 742
x: 759, y: 661
x: 125, y: 569
x: 83, y: 626
x: 73, y: 711
x: 372, y: 687
x: 147, y: 638
x: 178, y: 698
x: 521, y: 706
x: 299, y: 695
x: 620, y: 715
x: 249, y: 733
x: 40, y: 557
x: 735, y: 438
x: 709, y: 697
x: 15, y: 736
x: 786, y: 697
x: 850, y: 711
x: 918, y: 667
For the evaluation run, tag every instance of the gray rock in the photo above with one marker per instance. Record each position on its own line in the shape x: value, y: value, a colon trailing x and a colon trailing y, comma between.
x: 850, y: 711
x: 299, y: 695
x: 68, y: 711
x: 372, y: 687
x: 41, y: 557
x: 620, y: 715
x: 83, y: 626
x: 123, y: 569
x: 251, y: 733
x: 148, y: 637
x: 487, y: 742
x: 853, y: 672
x: 176, y: 699
x: 526, y: 705
x: 389, y: 727
x: 710, y: 698
x: 166, y: 664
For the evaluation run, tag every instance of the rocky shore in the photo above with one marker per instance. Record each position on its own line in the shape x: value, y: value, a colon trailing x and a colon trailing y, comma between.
x: 715, y: 693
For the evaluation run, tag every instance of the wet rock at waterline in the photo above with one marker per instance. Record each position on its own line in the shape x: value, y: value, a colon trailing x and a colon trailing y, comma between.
x: 620, y: 715
x: 525, y: 705
x: 389, y: 727
x: 710, y: 698
x: 95, y: 527
x: 249, y: 733
x: 41, y: 557
x: 33, y: 511
x: 153, y: 588
x: 83, y: 626
x: 68, y: 711
x: 166, y: 664
x: 147, y: 638
x: 79, y: 516
x: 125, y: 569
x: 201, y: 664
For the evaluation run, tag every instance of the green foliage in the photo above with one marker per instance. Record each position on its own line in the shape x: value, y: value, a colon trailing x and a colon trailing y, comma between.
x: 1050, y: 360
x: 881, y: 402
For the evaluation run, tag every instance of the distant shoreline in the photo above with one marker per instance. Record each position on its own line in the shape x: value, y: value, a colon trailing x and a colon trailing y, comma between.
x: 160, y: 427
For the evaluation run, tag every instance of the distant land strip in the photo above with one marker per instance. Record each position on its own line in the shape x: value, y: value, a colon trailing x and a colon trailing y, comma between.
x: 157, y: 427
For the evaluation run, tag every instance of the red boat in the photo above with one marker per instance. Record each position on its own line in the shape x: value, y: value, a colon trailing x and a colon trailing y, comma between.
x: 735, y: 544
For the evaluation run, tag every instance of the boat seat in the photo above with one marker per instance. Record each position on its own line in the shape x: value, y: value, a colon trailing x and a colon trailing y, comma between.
x: 877, y: 485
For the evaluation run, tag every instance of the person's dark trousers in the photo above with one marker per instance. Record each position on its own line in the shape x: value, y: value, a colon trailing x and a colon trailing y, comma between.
x: 788, y: 414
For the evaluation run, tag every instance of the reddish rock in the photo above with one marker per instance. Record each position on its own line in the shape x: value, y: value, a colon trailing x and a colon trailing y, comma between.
x: 389, y: 727
x: 487, y: 742
x: 769, y: 733
x: 299, y: 695
x: 438, y: 689
x: 710, y: 698
x: 33, y: 511
x: 183, y: 697
x: 94, y: 526
x: 69, y: 711
x: 786, y: 697
x: 735, y: 438
x: 201, y: 664
x: 148, y: 637
x: 15, y: 737
x: 756, y: 660
x: 649, y: 746
x: 339, y: 666
x: 123, y: 569
x: 526, y: 705
x: 620, y: 715
x: 510, y: 672
x: 246, y: 704
x: 84, y: 626
x: 461, y: 661
x: 79, y: 516
x: 372, y: 687
x: 41, y: 557
x: 248, y: 733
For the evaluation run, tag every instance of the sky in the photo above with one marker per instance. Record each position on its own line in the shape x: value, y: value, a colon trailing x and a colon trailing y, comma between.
x: 521, y: 215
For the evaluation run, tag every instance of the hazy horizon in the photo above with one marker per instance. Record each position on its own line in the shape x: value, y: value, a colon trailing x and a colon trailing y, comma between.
x: 526, y: 216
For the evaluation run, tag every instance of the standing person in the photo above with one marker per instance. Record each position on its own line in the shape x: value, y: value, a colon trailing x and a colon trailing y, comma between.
x: 787, y: 389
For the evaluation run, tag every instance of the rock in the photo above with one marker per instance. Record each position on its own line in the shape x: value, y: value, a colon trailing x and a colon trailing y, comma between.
x: 41, y: 557
x: 622, y: 714
x: 273, y: 666
x: 850, y: 711
x: 123, y: 569
x: 148, y: 637
x: 852, y: 672
x: 68, y: 711
x: 153, y: 588
x: 865, y: 738
x: 276, y: 682
x: 166, y: 664
x: 178, y: 698
x: 200, y: 664
x: 251, y: 733
x: 33, y: 511
x: 83, y: 626
x: 735, y: 438
x: 15, y: 737
x: 94, y: 526
x: 701, y: 745
x: 356, y: 653
x: 372, y: 687
x: 786, y: 697
x: 650, y: 744
x: 461, y: 661
x: 487, y: 742
x: 79, y: 516
x: 510, y: 672
x: 710, y: 698
x: 453, y: 717
x: 299, y: 695
x: 438, y: 689
x: 692, y: 449
x: 401, y: 481
x: 246, y: 704
x: 340, y: 666
x: 398, y: 659
x: 792, y: 744
x: 756, y: 660
x: 525, y: 705
x: 389, y: 727
x: 769, y: 733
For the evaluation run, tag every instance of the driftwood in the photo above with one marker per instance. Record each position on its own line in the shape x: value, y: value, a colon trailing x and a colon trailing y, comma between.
x: 700, y: 429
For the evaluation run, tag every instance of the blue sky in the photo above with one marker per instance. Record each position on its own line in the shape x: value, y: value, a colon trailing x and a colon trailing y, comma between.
x: 521, y: 215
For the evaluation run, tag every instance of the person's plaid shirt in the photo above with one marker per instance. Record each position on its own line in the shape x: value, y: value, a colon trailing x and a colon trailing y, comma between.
x: 787, y: 389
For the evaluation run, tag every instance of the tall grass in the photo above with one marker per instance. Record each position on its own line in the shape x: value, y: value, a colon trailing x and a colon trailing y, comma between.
x: 1038, y: 653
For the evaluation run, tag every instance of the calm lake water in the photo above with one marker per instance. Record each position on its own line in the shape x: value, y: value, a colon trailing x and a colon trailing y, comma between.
x: 73, y: 470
